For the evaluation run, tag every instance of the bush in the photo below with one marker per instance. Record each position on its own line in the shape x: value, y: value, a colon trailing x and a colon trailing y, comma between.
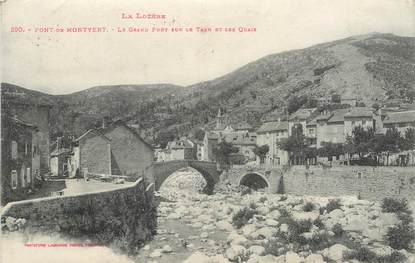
x: 295, y: 229
x: 283, y: 198
x: 318, y: 223
x: 274, y: 247
x: 406, y: 218
x: 390, y: 205
x: 308, y: 207
x: 337, y: 230
x: 319, y: 241
x: 242, y: 217
x: 401, y: 236
x: 363, y: 254
x: 333, y: 205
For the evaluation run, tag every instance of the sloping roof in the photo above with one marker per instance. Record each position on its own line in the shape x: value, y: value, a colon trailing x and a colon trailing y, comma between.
x: 323, y: 117
x: 243, y: 126
x: 180, y: 144
x: 399, y: 117
x: 22, y: 123
x: 240, y: 139
x: 89, y: 133
x: 302, y: 114
x: 273, y: 126
x: 359, y: 112
x: 313, y: 122
x: 338, y: 115
x: 121, y: 123
x: 212, y: 136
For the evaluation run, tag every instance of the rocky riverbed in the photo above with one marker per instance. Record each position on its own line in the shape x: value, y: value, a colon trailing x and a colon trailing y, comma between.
x: 232, y: 226
x: 240, y: 225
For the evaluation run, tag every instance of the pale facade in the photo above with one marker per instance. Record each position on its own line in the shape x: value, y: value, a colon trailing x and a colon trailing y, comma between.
x: 270, y: 133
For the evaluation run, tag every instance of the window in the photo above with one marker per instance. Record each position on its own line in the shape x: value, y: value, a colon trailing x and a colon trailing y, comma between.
x: 22, y: 176
x: 28, y: 176
x: 14, y: 179
x: 25, y: 148
x: 14, y: 150
x: 34, y: 152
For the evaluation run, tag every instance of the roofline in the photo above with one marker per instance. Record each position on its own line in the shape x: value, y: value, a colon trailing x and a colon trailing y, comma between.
x: 132, y: 130
x: 91, y: 131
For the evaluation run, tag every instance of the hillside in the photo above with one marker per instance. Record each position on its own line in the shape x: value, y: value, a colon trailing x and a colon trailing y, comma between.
x: 374, y: 68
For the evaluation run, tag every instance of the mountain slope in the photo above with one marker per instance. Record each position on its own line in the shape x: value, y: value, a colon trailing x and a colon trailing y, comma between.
x: 374, y: 68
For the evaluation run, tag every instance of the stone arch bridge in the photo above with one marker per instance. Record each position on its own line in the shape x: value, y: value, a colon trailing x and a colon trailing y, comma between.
x: 158, y: 172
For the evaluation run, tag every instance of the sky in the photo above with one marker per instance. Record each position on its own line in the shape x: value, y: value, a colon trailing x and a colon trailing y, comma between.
x: 62, y: 63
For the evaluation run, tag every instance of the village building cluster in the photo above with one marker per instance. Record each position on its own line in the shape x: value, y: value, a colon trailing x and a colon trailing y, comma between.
x: 28, y: 157
x: 117, y: 149
x: 318, y: 126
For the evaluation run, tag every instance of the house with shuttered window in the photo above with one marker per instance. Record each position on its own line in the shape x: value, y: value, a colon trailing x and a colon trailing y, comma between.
x: 19, y: 159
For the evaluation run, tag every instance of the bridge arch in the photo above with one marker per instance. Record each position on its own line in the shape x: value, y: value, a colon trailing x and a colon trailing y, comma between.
x: 254, y: 180
x: 162, y: 170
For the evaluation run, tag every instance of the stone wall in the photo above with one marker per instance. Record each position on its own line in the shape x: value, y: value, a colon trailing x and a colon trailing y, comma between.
x: 368, y: 182
x: 95, y: 155
x: 130, y: 153
x: 123, y: 217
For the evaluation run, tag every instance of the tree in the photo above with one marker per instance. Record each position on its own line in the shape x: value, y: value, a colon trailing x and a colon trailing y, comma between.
x: 294, y: 145
x: 409, y: 140
x: 361, y: 142
x: 199, y: 134
x: 222, y: 151
x: 261, y: 152
x: 330, y: 149
x: 163, y: 137
x: 295, y: 103
x: 390, y: 142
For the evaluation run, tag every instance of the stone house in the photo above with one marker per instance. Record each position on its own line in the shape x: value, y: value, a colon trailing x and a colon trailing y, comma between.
x: 330, y: 127
x: 59, y: 162
x: 359, y: 116
x: 199, y: 149
x: 299, y: 120
x: 182, y: 149
x: 19, y: 159
x: 210, y: 141
x: 335, y: 125
x: 245, y: 142
x: 116, y: 149
x: 91, y: 153
x: 131, y: 154
x: 38, y: 115
x: 270, y: 133
x: 401, y: 120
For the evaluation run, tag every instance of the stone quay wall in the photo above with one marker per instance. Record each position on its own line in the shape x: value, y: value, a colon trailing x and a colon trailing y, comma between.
x: 368, y: 182
x: 105, y: 217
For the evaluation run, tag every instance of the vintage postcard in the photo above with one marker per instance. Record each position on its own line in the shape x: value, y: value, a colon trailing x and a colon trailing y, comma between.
x: 207, y: 131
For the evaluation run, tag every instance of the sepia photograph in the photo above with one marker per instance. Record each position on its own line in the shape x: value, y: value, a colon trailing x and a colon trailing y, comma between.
x: 207, y: 131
